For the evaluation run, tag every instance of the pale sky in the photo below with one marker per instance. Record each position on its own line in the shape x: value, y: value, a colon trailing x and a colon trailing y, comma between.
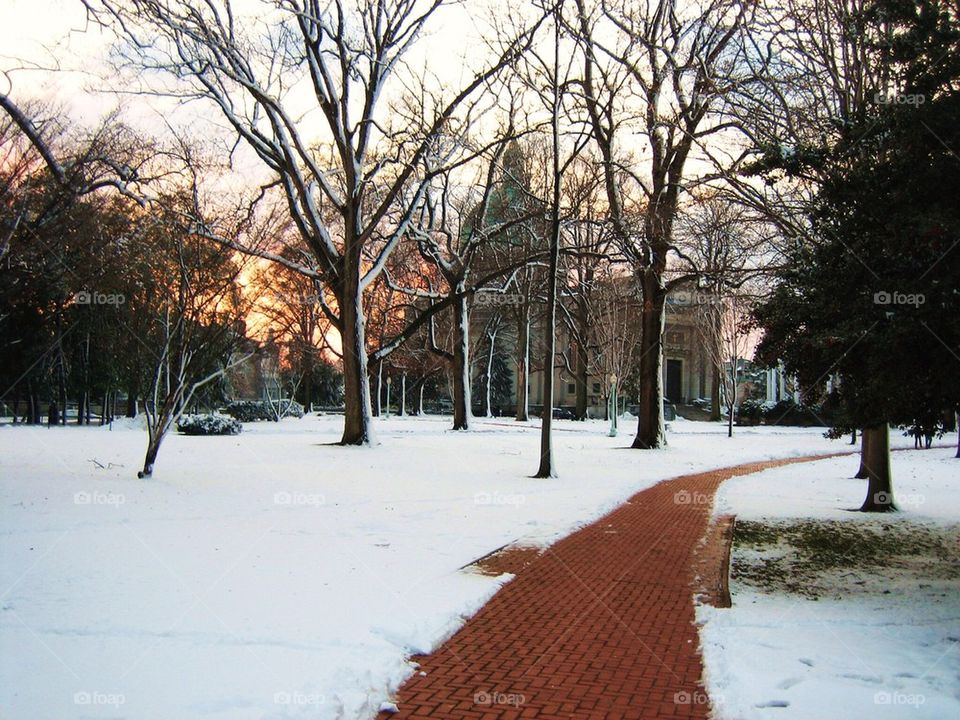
x: 41, y: 35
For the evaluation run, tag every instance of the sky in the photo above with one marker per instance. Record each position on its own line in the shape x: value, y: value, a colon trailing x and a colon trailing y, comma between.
x: 40, y: 36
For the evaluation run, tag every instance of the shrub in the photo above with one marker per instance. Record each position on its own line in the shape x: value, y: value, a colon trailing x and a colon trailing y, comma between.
x: 750, y: 412
x: 253, y: 410
x: 291, y: 408
x: 787, y: 412
x: 208, y: 424
x: 248, y: 410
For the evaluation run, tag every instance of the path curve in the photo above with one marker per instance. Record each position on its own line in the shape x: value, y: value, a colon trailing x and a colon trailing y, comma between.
x: 599, y: 626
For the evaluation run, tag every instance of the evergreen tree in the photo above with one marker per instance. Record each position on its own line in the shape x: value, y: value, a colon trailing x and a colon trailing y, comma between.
x: 874, y: 301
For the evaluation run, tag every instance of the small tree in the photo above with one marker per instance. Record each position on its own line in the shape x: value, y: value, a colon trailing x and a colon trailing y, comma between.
x: 193, y: 306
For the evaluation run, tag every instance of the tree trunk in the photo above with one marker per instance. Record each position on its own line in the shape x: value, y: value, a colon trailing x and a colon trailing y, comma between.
x: 864, y: 454
x: 547, y: 468
x: 62, y: 382
x: 650, y: 433
x: 356, y: 384
x: 523, y: 362
x: 34, y: 407
x: 419, y: 409
x: 715, y: 415
x: 490, y: 353
x: 378, y: 391
x: 582, y: 359
x: 403, y: 395
x: 879, y: 482
x: 462, y: 409
x: 153, y: 448
x: 853, y: 437
x: 308, y: 381
x: 132, y: 401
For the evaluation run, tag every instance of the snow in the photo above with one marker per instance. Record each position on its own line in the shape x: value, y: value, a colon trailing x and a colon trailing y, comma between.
x: 274, y: 575
x: 876, y: 644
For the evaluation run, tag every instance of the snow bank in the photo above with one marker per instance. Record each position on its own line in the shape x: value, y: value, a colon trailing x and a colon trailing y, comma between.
x: 869, y: 649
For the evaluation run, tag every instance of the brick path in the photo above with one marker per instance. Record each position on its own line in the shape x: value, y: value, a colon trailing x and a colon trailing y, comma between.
x: 601, y: 625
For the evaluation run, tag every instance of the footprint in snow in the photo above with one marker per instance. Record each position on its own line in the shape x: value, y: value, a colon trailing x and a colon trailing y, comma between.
x: 866, y: 678
x: 773, y: 704
x: 788, y: 683
x: 806, y: 661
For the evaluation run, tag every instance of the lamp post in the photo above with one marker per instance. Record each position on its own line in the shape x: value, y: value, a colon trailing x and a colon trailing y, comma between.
x: 613, y: 404
x: 389, y: 381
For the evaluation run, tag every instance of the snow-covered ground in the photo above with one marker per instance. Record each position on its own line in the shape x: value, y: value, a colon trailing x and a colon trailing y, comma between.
x: 880, y: 640
x: 272, y: 575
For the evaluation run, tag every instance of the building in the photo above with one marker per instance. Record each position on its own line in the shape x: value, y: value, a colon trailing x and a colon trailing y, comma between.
x: 687, y: 368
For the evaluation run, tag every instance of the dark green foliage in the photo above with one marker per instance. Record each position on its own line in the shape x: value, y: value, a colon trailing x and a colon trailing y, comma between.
x: 501, y: 387
x: 210, y: 424
x: 874, y: 302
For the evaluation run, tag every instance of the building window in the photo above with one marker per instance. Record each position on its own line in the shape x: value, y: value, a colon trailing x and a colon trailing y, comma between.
x: 596, y: 387
x: 571, y: 388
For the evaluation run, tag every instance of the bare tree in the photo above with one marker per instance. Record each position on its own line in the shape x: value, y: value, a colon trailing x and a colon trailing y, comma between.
x: 461, y: 216
x: 549, y: 73
x: 659, y: 71
x: 291, y: 303
x: 250, y: 69
x: 588, y: 253
x: 191, y: 310
x: 614, y: 325
x: 724, y: 330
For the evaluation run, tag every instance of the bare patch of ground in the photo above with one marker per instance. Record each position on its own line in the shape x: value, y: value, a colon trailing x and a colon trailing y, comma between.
x: 833, y: 559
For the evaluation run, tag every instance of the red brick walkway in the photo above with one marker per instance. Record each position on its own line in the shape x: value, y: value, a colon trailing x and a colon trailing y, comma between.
x: 601, y: 625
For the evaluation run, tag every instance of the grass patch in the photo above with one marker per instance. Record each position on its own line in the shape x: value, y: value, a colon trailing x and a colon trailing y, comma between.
x: 807, y: 556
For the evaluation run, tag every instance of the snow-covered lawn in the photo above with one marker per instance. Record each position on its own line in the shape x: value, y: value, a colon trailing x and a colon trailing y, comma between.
x: 875, y: 633
x: 271, y: 575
